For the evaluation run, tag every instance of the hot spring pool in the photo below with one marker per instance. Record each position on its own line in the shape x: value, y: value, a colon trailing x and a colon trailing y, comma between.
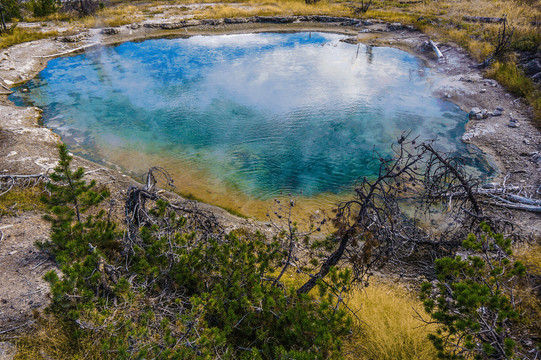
x: 239, y: 119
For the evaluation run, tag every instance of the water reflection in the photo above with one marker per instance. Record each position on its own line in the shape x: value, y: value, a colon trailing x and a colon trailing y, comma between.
x: 255, y: 113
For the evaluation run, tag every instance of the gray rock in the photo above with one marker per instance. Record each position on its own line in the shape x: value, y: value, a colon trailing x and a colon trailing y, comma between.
x: 474, y: 111
x: 532, y: 67
x: 110, y: 31
x: 497, y: 112
x: 173, y: 26
x: 192, y: 22
x: 350, y: 40
x: 330, y: 19
x: 499, y: 108
x: 212, y: 22
x: 512, y: 124
x: 396, y: 26
x: 73, y: 38
x: 275, y: 19
x: 240, y: 20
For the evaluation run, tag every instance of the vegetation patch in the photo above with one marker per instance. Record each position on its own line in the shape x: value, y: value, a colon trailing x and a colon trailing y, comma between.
x: 19, y: 35
x: 20, y: 200
x: 513, y: 78
x: 390, y: 328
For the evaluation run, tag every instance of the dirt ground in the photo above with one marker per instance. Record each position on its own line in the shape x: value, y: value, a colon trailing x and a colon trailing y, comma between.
x: 27, y: 148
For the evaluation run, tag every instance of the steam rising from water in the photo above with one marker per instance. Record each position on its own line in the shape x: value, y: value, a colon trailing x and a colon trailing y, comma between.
x: 254, y: 114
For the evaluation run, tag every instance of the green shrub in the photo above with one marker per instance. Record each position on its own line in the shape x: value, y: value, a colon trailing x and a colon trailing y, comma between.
x: 12, y: 9
x: 166, y: 292
x: 472, y: 300
x: 41, y: 8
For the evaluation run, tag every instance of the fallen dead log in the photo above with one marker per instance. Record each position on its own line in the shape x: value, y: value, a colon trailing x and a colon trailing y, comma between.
x: 483, y: 19
x: 530, y: 208
x: 436, y: 50
x: 31, y: 176
x: 523, y: 200
x: 500, y: 197
x: 8, y: 180
x: 6, y: 88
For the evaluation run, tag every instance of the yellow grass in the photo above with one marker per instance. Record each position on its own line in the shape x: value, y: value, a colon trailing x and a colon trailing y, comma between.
x: 50, y: 340
x: 391, y: 330
x: 530, y: 254
x: 530, y: 304
x: 271, y: 8
x: 113, y: 16
x: 20, y: 35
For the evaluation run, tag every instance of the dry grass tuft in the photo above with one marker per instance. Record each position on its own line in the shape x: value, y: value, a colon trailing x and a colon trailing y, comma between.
x: 50, y: 340
x: 271, y: 8
x: 20, y: 35
x: 113, y: 16
x: 392, y: 329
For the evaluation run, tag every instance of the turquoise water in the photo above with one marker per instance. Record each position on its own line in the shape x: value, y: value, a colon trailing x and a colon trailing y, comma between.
x: 260, y: 113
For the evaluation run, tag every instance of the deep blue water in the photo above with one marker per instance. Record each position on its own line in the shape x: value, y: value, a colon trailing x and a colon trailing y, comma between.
x: 261, y: 113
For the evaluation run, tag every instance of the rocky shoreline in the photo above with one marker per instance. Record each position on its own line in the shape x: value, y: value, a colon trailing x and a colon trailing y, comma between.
x: 501, y: 126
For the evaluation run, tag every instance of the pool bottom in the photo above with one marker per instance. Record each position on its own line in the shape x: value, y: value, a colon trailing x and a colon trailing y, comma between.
x: 199, y: 185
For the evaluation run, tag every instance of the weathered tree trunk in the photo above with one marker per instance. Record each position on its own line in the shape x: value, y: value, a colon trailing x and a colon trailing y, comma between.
x: 483, y: 19
x: 4, y: 27
x: 436, y: 50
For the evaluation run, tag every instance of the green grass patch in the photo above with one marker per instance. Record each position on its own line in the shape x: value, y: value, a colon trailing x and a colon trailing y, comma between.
x: 527, y: 42
x: 514, y: 80
x: 20, y: 200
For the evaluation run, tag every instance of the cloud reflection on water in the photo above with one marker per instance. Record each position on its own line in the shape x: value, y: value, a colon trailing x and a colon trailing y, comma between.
x: 262, y: 112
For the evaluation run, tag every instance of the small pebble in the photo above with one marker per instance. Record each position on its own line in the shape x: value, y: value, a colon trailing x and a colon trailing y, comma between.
x: 513, y: 124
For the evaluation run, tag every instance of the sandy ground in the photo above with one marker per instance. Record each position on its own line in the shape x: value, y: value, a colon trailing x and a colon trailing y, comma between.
x: 27, y: 148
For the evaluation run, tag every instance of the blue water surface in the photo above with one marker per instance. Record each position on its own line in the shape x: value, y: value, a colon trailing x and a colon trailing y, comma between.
x: 262, y: 113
